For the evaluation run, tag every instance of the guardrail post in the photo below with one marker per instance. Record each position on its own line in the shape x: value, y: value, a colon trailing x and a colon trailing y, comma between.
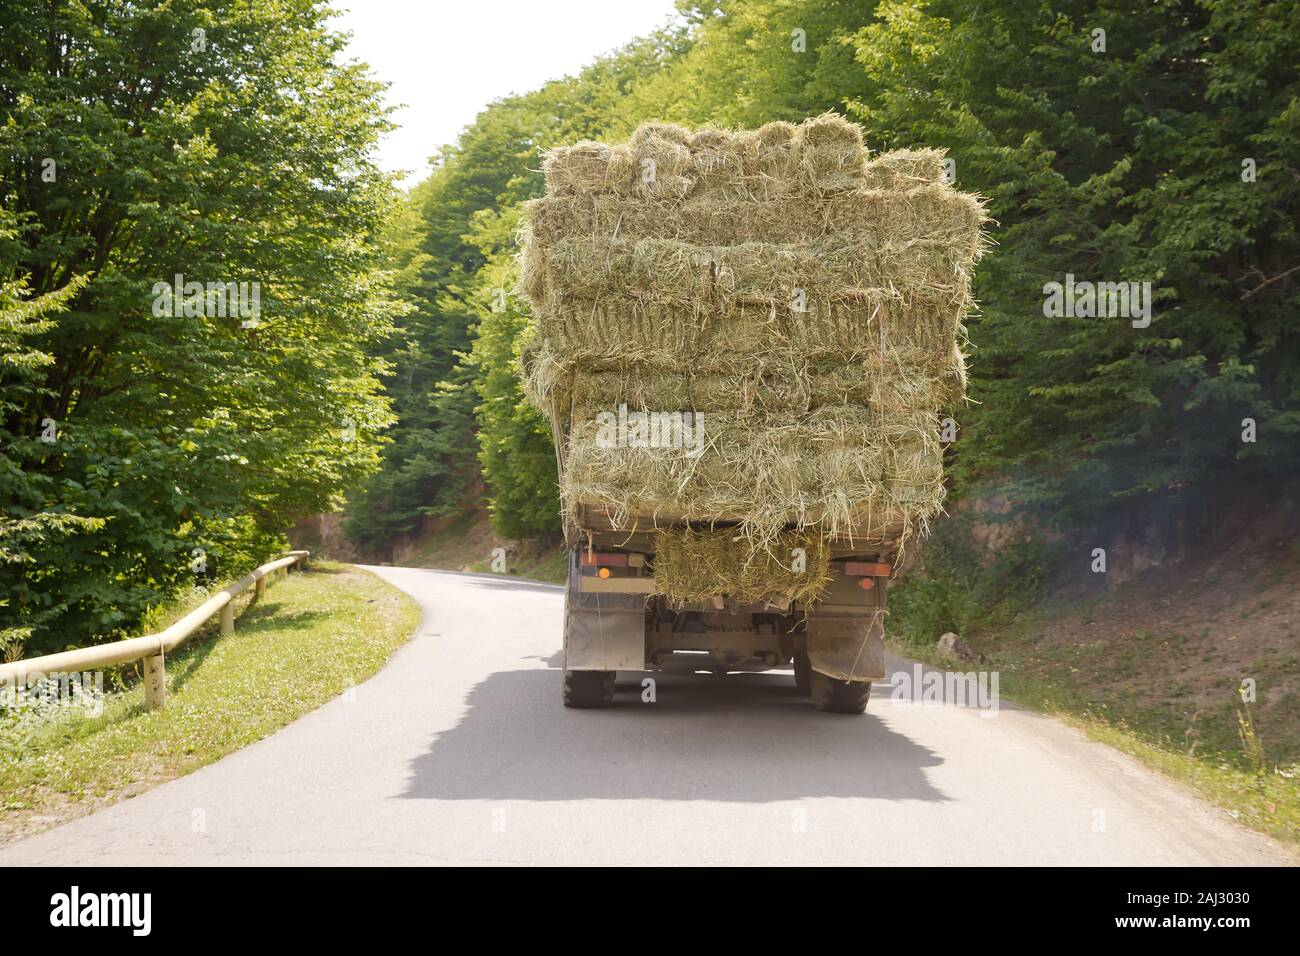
x: 155, y: 681
x: 259, y: 589
x: 227, y: 618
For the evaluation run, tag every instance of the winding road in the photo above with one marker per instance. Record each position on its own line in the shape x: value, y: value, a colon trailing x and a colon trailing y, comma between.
x: 460, y: 752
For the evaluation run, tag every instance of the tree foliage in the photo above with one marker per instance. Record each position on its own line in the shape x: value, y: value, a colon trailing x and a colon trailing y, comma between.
x: 1122, y: 165
x: 461, y: 410
x: 226, y: 142
x: 1115, y: 165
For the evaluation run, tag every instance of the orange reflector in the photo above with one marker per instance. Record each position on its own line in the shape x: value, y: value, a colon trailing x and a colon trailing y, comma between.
x: 867, y: 583
x: 603, y: 572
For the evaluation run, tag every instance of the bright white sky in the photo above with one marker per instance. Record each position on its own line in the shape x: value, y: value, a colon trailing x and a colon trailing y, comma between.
x: 447, y: 59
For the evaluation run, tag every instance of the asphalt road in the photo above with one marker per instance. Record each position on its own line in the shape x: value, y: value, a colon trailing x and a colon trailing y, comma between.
x: 460, y: 752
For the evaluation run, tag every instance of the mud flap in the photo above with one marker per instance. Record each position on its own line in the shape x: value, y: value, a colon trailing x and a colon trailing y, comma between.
x: 602, y: 632
x: 848, y: 647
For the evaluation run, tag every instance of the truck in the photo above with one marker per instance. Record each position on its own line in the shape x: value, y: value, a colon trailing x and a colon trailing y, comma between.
x: 615, y: 621
x: 794, y: 305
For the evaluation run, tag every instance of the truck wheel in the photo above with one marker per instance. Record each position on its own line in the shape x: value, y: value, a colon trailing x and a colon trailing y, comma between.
x: 839, y: 696
x: 589, y: 688
x: 802, y: 670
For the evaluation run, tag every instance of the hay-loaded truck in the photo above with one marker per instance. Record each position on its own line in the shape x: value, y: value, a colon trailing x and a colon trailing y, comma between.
x: 744, y: 343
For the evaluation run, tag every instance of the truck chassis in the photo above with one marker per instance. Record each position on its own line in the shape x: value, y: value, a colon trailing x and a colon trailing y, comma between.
x: 614, y: 621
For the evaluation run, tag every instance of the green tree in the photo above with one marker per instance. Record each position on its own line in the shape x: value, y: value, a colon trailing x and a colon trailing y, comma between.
x: 1115, y: 165
x: 744, y: 63
x: 225, y: 142
x: 515, y: 450
x: 24, y: 527
x: 456, y: 388
x: 1122, y: 165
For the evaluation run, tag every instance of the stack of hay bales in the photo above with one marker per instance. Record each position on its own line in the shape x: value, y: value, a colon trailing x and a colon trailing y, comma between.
x: 804, y: 299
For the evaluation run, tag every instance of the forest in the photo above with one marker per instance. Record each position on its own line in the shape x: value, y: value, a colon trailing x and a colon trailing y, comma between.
x: 1146, y: 145
x: 1136, y: 148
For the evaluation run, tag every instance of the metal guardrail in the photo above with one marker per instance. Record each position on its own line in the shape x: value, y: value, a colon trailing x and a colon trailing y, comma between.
x: 153, y: 648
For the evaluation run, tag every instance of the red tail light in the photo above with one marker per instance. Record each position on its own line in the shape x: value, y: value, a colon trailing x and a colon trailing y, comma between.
x: 868, y: 569
x: 603, y: 560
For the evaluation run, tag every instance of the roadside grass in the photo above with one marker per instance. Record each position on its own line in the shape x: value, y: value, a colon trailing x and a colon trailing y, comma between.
x: 1155, y: 666
x: 1232, y: 774
x: 552, y: 567
x: 454, y: 547
x: 314, y: 635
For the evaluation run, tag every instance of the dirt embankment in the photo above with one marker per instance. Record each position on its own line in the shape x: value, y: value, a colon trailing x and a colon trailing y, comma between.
x: 1191, y: 613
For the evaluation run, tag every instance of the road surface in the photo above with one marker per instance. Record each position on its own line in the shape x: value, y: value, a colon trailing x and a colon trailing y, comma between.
x: 460, y: 752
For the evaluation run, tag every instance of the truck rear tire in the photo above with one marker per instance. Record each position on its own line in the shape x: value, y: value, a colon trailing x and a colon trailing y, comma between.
x: 802, y: 672
x: 838, y: 696
x: 589, y: 688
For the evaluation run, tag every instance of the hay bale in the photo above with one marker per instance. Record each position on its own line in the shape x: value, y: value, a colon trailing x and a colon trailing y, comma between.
x: 832, y: 157
x: 892, y: 326
x: 801, y: 297
x: 865, y: 217
x: 762, y: 386
x: 833, y: 468
x: 695, y: 565
x: 662, y: 161
x: 778, y: 147
x: 587, y: 168
x: 735, y: 170
x: 902, y: 169
x: 770, y: 275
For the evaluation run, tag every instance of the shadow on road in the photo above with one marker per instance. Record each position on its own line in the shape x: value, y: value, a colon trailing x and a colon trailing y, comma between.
x: 739, y: 737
